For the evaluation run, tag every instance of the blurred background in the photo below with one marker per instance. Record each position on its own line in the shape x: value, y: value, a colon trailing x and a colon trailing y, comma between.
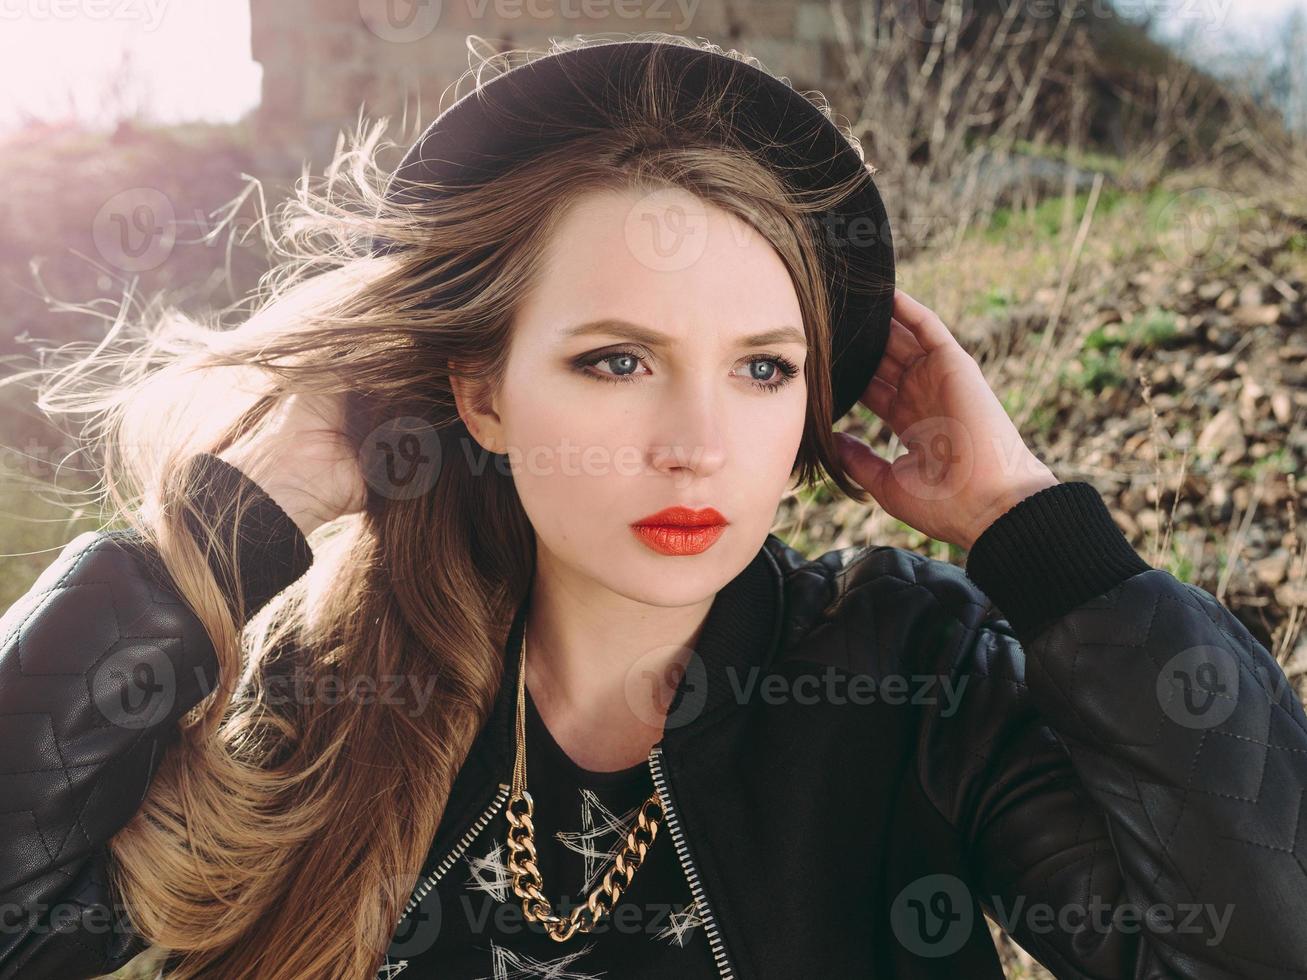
x: 1106, y: 201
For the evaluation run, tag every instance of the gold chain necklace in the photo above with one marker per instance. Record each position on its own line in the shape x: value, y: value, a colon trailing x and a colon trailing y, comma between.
x: 522, y: 849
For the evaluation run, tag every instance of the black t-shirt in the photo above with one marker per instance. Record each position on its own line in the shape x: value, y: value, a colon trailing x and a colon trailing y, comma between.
x: 475, y: 928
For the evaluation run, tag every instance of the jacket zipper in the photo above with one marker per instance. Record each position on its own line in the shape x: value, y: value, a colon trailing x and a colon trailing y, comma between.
x: 447, y: 862
x: 687, y: 864
x: 670, y: 818
x: 390, y: 970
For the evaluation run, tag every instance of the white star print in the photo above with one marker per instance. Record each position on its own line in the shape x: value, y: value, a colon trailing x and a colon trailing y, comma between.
x: 490, y: 874
x: 516, y: 966
x: 680, y: 924
x: 597, y: 822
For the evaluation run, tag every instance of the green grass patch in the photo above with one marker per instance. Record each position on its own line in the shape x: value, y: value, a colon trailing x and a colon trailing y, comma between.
x: 994, y: 301
x: 1149, y: 329
x: 1098, y: 365
x: 1276, y: 461
x: 1181, y: 567
x: 1045, y: 220
x: 1093, y: 371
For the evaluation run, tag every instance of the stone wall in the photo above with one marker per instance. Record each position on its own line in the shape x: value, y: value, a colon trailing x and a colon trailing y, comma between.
x: 324, y: 61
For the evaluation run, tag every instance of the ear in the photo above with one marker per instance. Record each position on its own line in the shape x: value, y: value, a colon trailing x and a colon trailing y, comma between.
x: 476, y: 410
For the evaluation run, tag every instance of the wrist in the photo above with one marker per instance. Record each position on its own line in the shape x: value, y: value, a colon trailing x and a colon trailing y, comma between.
x: 270, y: 552
x: 1051, y: 553
x: 298, y: 505
x: 1008, y: 499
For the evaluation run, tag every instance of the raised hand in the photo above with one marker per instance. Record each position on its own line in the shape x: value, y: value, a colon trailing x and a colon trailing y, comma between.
x: 303, y: 462
x: 966, y: 463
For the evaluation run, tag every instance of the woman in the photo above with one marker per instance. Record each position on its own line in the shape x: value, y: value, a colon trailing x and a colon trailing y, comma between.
x: 539, y: 451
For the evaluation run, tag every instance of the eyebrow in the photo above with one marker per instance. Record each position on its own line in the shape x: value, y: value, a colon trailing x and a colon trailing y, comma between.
x: 609, y: 326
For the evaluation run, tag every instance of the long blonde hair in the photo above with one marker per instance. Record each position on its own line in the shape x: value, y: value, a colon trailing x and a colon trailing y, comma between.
x: 281, y: 841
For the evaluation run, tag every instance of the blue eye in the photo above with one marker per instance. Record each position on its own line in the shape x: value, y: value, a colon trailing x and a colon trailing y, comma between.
x: 781, y: 368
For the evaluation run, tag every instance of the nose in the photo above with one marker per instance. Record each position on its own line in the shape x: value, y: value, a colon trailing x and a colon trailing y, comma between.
x: 693, y: 442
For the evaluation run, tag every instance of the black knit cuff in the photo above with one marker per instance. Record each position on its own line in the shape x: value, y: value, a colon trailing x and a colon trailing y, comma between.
x: 271, y: 550
x: 1048, y: 554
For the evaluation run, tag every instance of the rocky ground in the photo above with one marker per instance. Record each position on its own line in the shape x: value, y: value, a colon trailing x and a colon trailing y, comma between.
x: 1209, y: 446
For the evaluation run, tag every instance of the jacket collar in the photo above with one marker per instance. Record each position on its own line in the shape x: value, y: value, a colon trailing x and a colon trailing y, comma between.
x: 741, y: 631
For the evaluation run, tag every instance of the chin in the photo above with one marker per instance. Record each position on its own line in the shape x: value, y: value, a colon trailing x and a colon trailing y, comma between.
x: 675, y: 580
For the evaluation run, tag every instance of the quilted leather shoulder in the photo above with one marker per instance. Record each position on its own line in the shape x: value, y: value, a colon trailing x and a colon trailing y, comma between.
x: 892, y: 594
x: 98, y: 662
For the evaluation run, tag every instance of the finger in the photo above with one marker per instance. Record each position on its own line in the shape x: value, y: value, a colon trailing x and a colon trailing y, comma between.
x: 901, y: 351
x: 902, y: 345
x: 879, y: 397
x: 925, y: 325
x: 864, y: 464
x: 890, y: 371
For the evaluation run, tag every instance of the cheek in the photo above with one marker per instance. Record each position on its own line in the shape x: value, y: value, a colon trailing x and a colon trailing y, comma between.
x: 571, y: 461
x: 776, y: 434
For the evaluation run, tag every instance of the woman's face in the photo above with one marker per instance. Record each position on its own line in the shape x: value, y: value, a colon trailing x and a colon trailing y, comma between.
x: 688, y: 404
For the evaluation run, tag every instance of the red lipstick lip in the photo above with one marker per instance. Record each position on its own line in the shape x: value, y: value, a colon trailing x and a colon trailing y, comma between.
x: 684, y: 517
x: 667, y: 539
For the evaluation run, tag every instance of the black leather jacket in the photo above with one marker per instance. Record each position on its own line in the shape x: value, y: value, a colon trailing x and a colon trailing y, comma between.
x: 863, y: 755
